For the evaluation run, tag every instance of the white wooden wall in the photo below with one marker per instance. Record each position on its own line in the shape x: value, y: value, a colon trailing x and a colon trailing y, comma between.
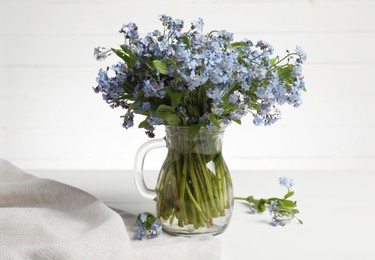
x: 51, y: 119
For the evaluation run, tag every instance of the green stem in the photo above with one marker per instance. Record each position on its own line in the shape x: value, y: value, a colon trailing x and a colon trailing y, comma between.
x: 195, y: 203
x: 249, y: 199
x: 183, y: 218
x: 173, y: 216
x: 290, y: 54
x: 197, y: 192
x: 207, y: 182
x: 205, y: 197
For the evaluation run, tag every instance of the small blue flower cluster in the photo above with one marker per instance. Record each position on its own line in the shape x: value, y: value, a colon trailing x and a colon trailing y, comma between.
x: 205, y: 79
x: 277, y: 218
x: 147, y: 224
x: 286, y: 182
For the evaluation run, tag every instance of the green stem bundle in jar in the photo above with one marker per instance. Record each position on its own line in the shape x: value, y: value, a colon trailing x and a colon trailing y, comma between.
x: 194, y: 190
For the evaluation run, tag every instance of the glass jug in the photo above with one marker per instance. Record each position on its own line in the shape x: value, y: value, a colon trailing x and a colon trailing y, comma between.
x: 194, y: 193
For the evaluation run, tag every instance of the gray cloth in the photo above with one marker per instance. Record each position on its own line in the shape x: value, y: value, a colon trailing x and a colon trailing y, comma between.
x: 44, y: 219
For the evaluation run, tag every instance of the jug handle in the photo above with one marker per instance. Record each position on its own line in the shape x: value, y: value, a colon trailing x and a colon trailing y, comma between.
x: 139, y: 163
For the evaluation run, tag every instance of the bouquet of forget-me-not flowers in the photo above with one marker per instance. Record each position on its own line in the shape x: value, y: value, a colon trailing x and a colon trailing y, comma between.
x: 195, y: 79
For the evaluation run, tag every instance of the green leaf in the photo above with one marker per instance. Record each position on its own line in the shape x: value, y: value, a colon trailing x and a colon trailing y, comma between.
x: 193, y: 130
x: 132, y: 56
x: 288, y: 203
x: 285, y: 73
x: 174, y: 96
x: 129, y: 88
x: 144, y: 124
x: 186, y: 41
x: 261, y: 206
x: 126, y: 50
x: 160, y: 66
x: 193, y: 110
x: 165, y: 108
x: 214, y: 121
x: 171, y: 118
x: 295, y: 211
x: 168, y: 114
x: 272, y: 61
x: 236, y: 45
x: 126, y: 55
x: 289, y: 194
x: 122, y: 55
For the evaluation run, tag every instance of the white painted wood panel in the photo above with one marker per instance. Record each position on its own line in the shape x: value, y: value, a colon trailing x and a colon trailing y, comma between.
x: 50, y: 117
x: 105, y: 17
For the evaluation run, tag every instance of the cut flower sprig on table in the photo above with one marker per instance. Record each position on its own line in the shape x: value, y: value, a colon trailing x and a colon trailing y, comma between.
x: 147, y: 225
x: 282, y: 210
x: 198, y: 79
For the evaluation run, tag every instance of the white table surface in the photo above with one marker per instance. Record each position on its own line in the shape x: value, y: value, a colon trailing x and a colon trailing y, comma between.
x: 337, y: 209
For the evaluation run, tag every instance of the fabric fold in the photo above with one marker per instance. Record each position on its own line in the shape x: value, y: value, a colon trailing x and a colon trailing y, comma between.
x: 45, y: 219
